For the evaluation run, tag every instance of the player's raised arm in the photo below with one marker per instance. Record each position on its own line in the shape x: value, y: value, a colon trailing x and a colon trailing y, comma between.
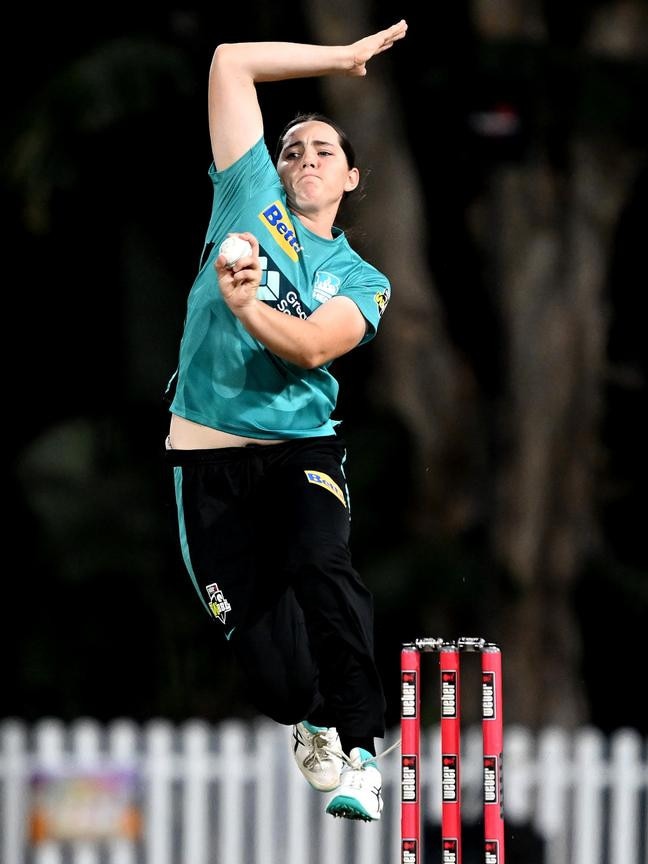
x: 235, y: 120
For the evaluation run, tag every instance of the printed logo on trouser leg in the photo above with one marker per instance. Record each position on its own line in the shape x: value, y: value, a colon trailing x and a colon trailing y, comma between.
x: 217, y: 602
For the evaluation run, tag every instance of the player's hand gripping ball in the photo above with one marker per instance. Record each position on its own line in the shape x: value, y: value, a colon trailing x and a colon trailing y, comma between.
x: 234, y: 248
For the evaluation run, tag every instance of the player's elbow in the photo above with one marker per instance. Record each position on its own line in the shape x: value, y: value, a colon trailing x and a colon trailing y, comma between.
x: 224, y: 57
x: 315, y: 354
x: 310, y: 359
x: 229, y: 60
x: 311, y: 355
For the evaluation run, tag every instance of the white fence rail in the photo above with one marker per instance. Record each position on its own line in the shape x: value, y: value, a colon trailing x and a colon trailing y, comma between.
x: 231, y: 794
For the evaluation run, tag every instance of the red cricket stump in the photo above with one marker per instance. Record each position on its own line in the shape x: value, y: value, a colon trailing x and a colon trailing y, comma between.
x: 492, y: 735
x: 450, y: 754
x: 492, y: 747
x: 410, y: 755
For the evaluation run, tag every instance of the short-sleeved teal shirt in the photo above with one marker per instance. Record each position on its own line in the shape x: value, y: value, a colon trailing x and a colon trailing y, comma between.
x: 225, y: 378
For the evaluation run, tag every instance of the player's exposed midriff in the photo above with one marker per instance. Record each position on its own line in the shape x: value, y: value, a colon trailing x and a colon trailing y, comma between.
x: 187, y: 435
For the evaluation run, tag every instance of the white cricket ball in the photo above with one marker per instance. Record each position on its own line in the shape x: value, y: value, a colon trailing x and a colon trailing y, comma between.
x: 234, y: 248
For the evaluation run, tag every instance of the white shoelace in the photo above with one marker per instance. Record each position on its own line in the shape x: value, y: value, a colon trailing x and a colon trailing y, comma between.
x: 321, y: 750
x: 372, y: 758
x: 388, y: 750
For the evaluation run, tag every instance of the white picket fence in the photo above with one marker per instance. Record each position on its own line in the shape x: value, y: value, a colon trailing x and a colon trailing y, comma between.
x: 231, y: 794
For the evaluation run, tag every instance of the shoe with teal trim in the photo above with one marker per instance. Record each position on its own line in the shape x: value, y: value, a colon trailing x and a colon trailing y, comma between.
x: 359, y: 795
x: 318, y: 753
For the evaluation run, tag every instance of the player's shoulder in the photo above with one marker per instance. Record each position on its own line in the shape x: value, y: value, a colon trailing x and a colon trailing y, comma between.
x: 257, y: 156
x: 364, y: 270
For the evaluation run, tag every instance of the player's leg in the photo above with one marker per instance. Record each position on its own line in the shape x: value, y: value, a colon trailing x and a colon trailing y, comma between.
x: 337, y: 608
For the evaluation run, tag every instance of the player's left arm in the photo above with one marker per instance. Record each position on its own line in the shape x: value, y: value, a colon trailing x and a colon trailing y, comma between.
x: 333, y: 329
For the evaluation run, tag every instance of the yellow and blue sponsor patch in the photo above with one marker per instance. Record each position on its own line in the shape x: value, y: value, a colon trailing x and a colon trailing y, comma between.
x: 318, y: 478
x: 382, y: 299
x: 276, y: 219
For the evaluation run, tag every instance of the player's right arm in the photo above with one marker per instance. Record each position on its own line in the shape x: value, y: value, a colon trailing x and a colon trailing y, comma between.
x: 235, y: 121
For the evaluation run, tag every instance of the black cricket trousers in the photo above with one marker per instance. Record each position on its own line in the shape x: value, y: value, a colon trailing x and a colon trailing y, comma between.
x: 264, y: 533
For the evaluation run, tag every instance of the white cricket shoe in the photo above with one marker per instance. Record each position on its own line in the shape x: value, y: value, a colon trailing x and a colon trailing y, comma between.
x: 359, y: 795
x: 318, y: 753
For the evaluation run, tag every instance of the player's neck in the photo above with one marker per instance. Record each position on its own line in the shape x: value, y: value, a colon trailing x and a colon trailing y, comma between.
x: 319, y: 222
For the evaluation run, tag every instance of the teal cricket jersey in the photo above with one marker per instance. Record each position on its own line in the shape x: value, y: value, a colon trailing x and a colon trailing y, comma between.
x: 225, y: 378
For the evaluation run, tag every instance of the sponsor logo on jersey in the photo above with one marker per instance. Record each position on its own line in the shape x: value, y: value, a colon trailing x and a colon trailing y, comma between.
x: 318, y: 478
x: 382, y: 299
x: 217, y: 602
x: 326, y: 285
x: 291, y: 304
x: 269, y: 289
x: 275, y: 290
x: 276, y: 219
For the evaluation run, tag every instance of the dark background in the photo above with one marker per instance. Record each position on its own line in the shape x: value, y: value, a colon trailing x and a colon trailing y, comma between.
x: 105, y: 201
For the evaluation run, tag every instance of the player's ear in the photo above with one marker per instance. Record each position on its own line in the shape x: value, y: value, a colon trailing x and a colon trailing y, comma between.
x: 353, y: 178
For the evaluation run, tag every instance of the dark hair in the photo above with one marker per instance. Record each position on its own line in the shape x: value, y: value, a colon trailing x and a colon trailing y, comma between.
x: 345, y: 144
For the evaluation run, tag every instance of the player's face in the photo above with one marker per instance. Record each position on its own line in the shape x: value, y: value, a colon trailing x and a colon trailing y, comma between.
x: 313, y: 167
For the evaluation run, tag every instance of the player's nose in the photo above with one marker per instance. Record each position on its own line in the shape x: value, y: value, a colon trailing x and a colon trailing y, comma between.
x: 310, y: 157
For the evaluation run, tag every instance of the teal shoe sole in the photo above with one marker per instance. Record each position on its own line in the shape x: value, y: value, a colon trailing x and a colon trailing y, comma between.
x: 348, y: 808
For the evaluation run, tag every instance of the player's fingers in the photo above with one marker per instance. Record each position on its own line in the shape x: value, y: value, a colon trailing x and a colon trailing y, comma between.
x: 392, y: 34
x: 252, y: 240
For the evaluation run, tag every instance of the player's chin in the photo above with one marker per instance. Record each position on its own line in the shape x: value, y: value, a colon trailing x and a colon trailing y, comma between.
x: 307, y: 203
x: 308, y: 188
